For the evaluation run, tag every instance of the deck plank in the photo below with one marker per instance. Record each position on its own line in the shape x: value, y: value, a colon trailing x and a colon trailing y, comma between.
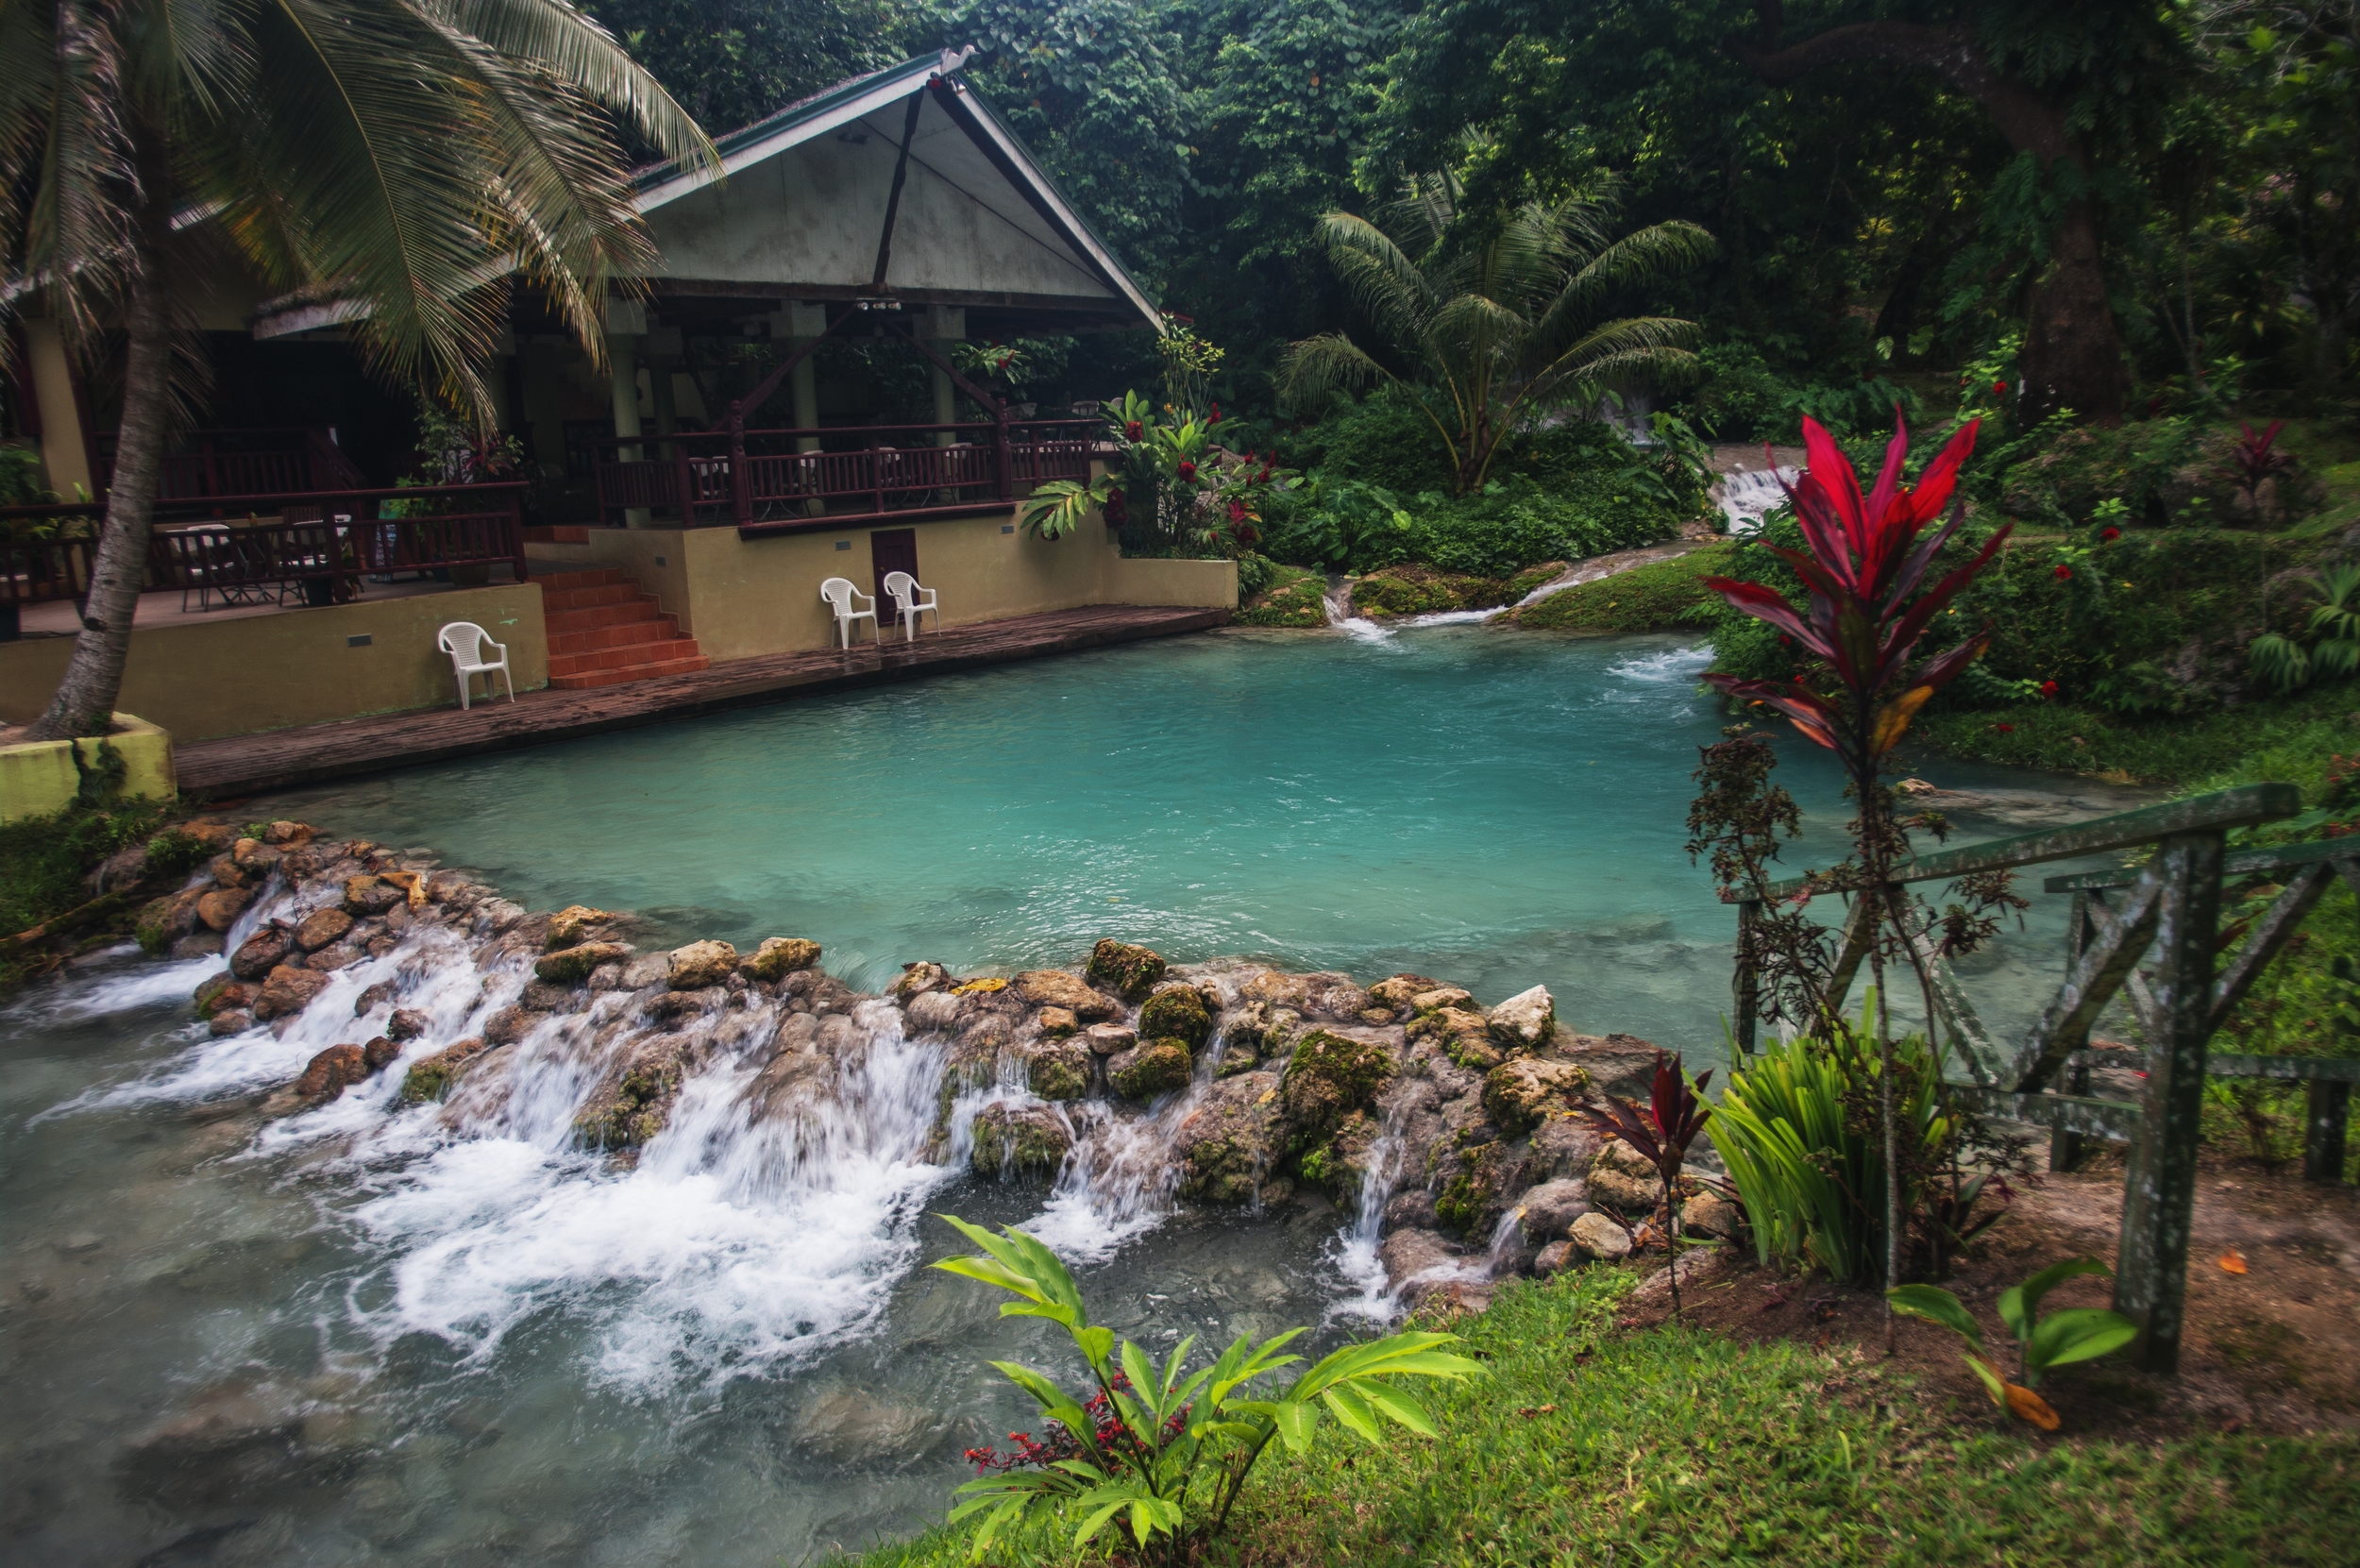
x: 314, y: 753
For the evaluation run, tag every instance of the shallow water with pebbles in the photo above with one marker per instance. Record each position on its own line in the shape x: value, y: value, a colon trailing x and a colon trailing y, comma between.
x: 448, y: 1334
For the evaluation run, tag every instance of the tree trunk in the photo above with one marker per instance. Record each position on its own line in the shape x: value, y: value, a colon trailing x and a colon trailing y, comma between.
x: 84, y: 704
x: 2072, y: 354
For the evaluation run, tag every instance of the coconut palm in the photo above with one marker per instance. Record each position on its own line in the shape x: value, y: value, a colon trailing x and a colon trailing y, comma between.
x: 399, y: 160
x: 1501, y: 330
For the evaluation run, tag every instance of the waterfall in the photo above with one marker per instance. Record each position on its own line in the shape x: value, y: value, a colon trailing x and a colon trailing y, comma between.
x: 1355, y: 1257
x: 1749, y: 495
x: 1338, y: 601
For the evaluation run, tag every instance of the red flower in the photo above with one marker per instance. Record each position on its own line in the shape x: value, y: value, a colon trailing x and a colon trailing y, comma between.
x: 2111, y: 534
x: 1117, y: 509
x: 2049, y: 688
x: 1133, y: 430
x: 1188, y: 470
x: 2000, y: 388
x: 2064, y: 574
x: 2005, y: 728
x: 1216, y: 419
x: 1237, y: 511
x: 1863, y: 564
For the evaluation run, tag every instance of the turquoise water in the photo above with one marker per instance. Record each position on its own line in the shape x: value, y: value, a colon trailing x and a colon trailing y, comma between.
x: 1496, y: 810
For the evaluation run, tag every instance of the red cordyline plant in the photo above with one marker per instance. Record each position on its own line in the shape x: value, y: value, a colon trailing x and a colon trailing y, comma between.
x: 1865, y: 569
x: 1676, y: 1114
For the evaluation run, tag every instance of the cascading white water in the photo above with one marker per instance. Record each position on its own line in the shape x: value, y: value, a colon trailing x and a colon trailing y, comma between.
x: 1749, y: 495
x: 1338, y: 601
x: 1355, y: 1254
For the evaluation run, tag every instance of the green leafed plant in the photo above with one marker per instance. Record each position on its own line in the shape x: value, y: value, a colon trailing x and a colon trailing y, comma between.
x: 1155, y: 1447
x: 2333, y: 634
x: 2072, y: 1334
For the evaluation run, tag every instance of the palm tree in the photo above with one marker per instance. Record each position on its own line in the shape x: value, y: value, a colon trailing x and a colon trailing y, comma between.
x: 401, y: 158
x: 1499, y: 329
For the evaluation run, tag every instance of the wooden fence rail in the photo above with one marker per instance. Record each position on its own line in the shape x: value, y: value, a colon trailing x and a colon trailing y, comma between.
x: 2167, y: 920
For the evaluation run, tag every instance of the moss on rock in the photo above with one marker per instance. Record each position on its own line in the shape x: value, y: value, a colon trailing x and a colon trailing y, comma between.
x: 1329, y: 1078
x: 1018, y: 1140
x: 1128, y: 970
x: 1176, y: 1012
x: 431, y: 1079
x: 1147, y: 1070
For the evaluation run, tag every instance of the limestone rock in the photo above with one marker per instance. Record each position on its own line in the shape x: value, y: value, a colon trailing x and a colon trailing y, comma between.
x: 330, y: 1072
x: 370, y: 894
x: 635, y: 1100
x: 336, y: 955
x: 1279, y: 990
x: 1333, y: 997
x: 1440, y: 997
x: 571, y: 926
x: 1018, y: 1140
x: 1230, y: 1144
x: 1107, y: 1038
x: 1623, y: 1180
x: 1525, y: 1021
x: 1178, y: 1013
x: 321, y: 927
x: 1127, y: 970
x: 407, y: 1023
x: 219, y: 910
x: 572, y: 966
x: 230, y: 1020
x: 379, y: 1053
x: 1056, y: 1023
x: 1398, y: 993
x: 452, y: 891
x: 213, y: 836
x: 1147, y: 1070
x: 1475, y: 1174
x: 1564, y: 1146
x: 919, y: 980
x: 1331, y: 1075
x: 1060, y: 1069
x: 431, y: 1079
x: 286, y: 834
x: 647, y: 968
x: 701, y: 964
x: 934, y: 1012
x: 1554, y: 1259
x: 254, y: 857
x: 510, y: 1024
x: 1463, y: 1296
x: 1620, y: 1065
x: 1261, y: 1026
x: 1595, y: 1236
x: 1056, y: 989
x: 796, y: 1078
x: 1710, y: 1214
x: 780, y: 955
x: 1522, y: 1093
x: 287, y: 991
x: 1547, y: 1211
x: 162, y: 922
x: 220, y: 992
x: 1409, y: 1254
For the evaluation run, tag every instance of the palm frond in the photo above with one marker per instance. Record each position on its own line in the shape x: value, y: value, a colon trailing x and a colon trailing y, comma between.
x: 1382, y: 280
x: 1659, y: 251
x: 1317, y: 367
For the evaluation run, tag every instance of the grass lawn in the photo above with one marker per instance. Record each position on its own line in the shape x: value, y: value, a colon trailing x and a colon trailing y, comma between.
x: 1592, y: 1445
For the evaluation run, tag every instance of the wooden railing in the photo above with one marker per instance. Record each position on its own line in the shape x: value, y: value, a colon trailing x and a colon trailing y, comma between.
x: 786, y: 480
x: 250, y: 549
x: 283, y: 461
x: 2169, y: 906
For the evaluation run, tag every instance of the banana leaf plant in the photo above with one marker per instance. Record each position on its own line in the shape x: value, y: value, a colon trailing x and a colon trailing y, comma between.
x: 1676, y: 1114
x: 2073, y: 1334
x: 1180, y: 1441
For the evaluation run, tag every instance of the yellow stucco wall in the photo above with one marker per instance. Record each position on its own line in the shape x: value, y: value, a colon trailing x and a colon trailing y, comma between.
x: 742, y: 598
x: 61, y: 449
x: 41, y: 778
x: 267, y: 672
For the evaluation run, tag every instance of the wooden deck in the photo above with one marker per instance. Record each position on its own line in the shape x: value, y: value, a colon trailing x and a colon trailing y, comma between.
x: 281, y: 759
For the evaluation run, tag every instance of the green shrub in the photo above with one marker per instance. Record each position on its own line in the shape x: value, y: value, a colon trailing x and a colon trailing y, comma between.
x: 1295, y: 600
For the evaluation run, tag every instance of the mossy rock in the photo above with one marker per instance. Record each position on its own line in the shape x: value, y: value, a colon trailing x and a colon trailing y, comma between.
x: 1128, y: 970
x: 572, y: 966
x: 1470, y: 1201
x: 778, y: 956
x: 1338, y: 1166
x: 1176, y: 1013
x: 1060, y: 1069
x: 1520, y: 1094
x: 1157, y: 1067
x: 1329, y: 1078
x: 431, y: 1079
x: 1298, y: 604
x: 638, y: 1108
x: 1018, y: 1140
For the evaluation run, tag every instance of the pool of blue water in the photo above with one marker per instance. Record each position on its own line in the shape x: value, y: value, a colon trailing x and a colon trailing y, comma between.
x: 1490, y: 808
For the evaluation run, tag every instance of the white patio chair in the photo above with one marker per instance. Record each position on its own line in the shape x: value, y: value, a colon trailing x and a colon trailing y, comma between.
x: 910, y: 602
x: 464, y: 641
x: 840, y: 593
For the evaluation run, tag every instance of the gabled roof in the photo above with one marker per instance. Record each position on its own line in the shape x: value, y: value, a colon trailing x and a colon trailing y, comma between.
x: 661, y: 185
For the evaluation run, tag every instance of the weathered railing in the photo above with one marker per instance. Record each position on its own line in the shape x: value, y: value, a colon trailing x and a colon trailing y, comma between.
x: 246, y: 550
x: 2171, y: 907
x: 283, y: 461
x: 779, y: 480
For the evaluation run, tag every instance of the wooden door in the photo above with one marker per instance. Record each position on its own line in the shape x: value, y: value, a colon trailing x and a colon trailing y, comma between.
x: 892, y: 550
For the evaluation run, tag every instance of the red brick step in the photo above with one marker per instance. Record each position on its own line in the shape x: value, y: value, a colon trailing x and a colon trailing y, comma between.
x: 605, y: 631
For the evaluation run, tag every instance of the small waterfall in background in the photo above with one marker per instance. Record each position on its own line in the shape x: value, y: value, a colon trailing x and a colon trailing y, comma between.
x: 1356, y: 1257
x: 1337, y: 600
x: 1749, y: 494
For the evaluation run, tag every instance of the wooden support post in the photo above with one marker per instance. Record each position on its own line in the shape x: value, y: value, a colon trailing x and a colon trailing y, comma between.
x: 741, y: 498
x: 2326, y: 1112
x: 2159, y: 1201
x: 1747, y: 984
x: 2064, y: 1147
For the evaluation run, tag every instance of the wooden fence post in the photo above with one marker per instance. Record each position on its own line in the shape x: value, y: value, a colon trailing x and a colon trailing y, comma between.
x: 1748, y: 986
x: 2327, y: 1110
x: 2159, y: 1199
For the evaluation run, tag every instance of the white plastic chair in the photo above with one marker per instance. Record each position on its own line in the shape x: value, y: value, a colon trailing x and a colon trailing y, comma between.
x: 908, y: 604
x: 839, y: 593
x: 464, y: 641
